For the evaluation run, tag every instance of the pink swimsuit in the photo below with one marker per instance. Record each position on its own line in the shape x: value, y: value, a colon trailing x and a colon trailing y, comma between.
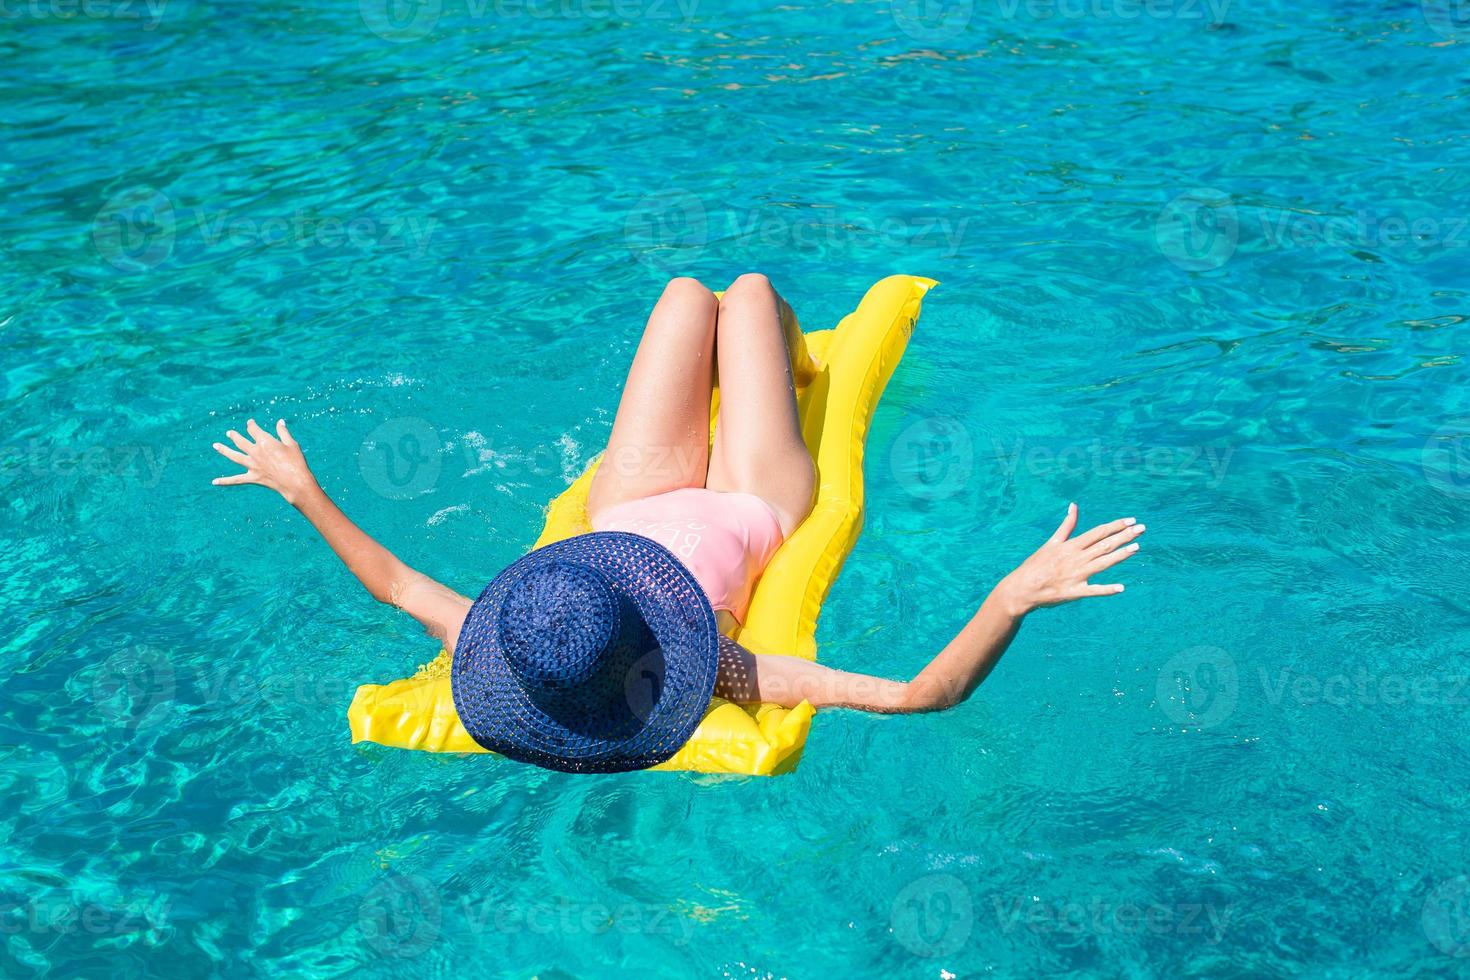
x: 724, y: 539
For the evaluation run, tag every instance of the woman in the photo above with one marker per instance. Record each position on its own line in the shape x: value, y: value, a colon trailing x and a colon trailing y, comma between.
x: 600, y: 653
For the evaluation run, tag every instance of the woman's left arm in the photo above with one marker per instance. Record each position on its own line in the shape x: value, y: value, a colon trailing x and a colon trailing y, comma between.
x: 1058, y: 572
x: 278, y: 463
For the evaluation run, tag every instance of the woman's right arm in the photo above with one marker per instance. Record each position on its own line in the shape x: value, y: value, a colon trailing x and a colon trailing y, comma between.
x: 1058, y: 572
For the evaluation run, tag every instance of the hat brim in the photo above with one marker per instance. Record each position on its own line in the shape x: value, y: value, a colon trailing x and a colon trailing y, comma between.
x: 499, y: 715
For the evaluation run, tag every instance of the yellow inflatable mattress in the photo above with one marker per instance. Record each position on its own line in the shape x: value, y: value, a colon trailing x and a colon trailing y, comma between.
x: 855, y: 361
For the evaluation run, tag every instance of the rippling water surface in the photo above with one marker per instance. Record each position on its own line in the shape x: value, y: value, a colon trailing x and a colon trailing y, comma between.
x: 1205, y: 263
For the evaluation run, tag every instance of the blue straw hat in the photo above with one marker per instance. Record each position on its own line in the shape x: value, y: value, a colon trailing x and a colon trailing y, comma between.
x: 597, y: 653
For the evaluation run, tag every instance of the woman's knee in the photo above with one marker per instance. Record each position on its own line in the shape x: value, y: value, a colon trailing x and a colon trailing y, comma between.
x: 684, y: 289
x: 686, y: 309
x: 751, y: 287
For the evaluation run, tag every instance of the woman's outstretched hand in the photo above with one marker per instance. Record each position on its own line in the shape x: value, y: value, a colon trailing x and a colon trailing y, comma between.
x: 1059, y: 570
x: 1057, y: 573
x: 271, y: 461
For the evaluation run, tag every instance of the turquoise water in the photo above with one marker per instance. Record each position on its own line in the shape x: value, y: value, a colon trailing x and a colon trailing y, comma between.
x: 1205, y: 264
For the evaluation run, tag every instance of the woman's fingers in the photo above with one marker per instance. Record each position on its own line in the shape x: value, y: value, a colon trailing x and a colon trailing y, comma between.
x: 1068, y: 525
x: 1089, y: 590
x: 1111, y: 559
x: 1089, y: 538
x: 231, y: 455
x: 256, y: 432
x: 284, y: 433
x: 240, y: 440
x: 230, y: 481
x: 1113, y: 542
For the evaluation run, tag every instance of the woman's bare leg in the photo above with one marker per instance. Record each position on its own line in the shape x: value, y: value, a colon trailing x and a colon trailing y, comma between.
x: 758, y: 446
x: 802, y: 365
x: 660, y: 437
